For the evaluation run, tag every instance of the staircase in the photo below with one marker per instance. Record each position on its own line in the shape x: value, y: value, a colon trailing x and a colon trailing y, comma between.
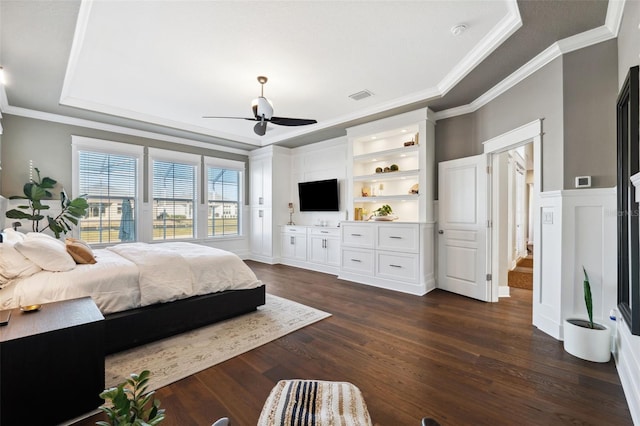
x: 522, y: 275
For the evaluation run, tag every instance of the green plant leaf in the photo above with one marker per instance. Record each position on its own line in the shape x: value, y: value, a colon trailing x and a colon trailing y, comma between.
x: 17, y: 214
x: 588, y: 298
x: 47, y: 183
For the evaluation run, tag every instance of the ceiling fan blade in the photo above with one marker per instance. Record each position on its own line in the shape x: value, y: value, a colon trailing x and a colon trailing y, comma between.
x: 260, y: 128
x: 284, y: 121
x: 232, y: 118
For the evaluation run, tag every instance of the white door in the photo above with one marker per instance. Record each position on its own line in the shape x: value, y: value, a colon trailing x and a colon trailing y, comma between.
x: 462, y: 229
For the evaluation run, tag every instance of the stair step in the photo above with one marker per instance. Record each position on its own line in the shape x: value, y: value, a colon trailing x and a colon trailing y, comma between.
x: 521, y: 279
x: 526, y: 261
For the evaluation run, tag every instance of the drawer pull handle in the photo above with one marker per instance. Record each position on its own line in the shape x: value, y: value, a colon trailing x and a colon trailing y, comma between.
x: 395, y: 266
x: 356, y: 235
x: 356, y: 260
x: 395, y: 238
x: 324, y: 232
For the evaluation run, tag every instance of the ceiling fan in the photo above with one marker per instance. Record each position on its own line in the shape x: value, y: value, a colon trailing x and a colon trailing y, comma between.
x: 263, y: 113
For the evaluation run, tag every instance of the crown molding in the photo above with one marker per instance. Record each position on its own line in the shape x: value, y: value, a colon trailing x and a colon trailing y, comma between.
x: 559, y: 48
x: 508, y: 25
x: 72, y: 121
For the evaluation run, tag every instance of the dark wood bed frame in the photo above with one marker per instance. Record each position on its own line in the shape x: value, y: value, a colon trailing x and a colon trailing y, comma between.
x: 127, y: 329
x: 124, y: 330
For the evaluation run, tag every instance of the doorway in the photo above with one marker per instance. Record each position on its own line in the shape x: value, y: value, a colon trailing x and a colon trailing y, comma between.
x: 514, y: 193
x: 513, y: 172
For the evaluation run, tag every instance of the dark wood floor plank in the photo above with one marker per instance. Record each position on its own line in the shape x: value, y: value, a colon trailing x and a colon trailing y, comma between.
x: 458, y: 360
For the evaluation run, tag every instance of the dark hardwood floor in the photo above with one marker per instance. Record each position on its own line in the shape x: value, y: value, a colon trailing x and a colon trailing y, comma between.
x: 460, y: 361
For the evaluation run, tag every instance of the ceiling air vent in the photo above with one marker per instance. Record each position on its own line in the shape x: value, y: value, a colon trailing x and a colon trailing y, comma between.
x: 361, y: 95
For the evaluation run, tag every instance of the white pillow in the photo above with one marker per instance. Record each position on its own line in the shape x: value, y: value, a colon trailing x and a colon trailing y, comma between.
x: 12, y: 236
x: 49, y: 254
x: 31, y: 235
x: 14, y: 265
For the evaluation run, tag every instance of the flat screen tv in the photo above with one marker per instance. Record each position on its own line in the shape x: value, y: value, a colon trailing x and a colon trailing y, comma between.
x: 319, y: 196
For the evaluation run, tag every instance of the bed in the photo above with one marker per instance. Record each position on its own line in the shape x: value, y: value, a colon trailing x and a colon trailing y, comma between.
x: 145, y: 291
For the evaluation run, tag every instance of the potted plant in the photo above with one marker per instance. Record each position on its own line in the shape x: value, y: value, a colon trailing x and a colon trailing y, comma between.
x: 128, y: 404
x: 584, y: 338
x: 383, y: 213
x: 37, y: 190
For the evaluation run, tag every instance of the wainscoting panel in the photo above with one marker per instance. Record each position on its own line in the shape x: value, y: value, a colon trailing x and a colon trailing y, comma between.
x: 589, y: 240
x: 547, y: 273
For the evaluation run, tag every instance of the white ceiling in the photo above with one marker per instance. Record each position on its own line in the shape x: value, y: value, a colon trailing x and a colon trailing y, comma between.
x: 171, y: 62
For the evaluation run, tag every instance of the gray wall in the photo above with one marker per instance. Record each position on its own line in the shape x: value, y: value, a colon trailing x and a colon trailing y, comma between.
x: 48, y: 144
x: 590, y: 86
x: 538, y: 96
x: 575, y: 95
x: 628, y: 40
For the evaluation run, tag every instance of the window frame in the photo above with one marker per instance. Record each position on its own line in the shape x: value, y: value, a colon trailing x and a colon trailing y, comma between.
x: 83, y: 143
x: 223, y: 163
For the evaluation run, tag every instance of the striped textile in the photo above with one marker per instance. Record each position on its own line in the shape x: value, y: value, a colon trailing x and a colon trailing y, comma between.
x: 314, y: 403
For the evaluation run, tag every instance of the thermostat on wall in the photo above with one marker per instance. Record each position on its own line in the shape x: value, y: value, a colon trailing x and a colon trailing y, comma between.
x: 583, y: 181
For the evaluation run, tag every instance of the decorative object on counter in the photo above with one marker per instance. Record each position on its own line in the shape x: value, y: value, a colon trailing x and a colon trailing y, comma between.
x: 37, y: 190
x: 357, y: 213
x: 387, y: 169
x: 365, y: 191
x: 383, y: 213
x: 413, y: 189
x: 410, y: 143
x: 380, y: 189
x: 394, y: 168
x: 378, y: 169
x: 290, y: 214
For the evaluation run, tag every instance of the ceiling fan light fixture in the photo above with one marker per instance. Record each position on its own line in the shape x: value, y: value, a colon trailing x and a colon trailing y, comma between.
x: 262, y: 107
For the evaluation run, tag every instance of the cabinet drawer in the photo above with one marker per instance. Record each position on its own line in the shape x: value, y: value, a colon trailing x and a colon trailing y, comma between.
x: 358, y: 261
x: 289, y: 229
x: 399, y: 237
x: 325, y: 232
x: 357, y: 235
x: 397, y: 266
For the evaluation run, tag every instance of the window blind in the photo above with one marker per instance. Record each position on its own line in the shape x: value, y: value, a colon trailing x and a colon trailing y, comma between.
x: 174, y: 199
x: 110, y: 182
x: 223, y: 194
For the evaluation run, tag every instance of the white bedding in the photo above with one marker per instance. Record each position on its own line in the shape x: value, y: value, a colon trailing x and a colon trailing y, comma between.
x: 136, y: 274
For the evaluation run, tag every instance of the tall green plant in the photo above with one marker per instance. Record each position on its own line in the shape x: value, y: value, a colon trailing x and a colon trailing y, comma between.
x: 130, y: 404
x: 39, y: 189
x: 587, y: 297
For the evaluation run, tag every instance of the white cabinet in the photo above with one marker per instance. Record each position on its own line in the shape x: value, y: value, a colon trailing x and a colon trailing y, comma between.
x: 391, y: 161
x: 311, y: 247
x: 397, y: 256
x: 261, y: 232
x: 324, y: 246
x: 261, y: 181
x: 269, y: 195
x: 294, y: 243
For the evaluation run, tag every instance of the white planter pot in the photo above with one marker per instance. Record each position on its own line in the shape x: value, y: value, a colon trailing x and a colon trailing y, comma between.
x: 591, y: 344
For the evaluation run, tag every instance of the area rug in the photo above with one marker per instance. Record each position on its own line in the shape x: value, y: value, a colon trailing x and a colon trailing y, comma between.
x: 175, y: 358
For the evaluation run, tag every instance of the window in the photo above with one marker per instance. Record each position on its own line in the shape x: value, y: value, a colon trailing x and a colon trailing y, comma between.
x: 175, y: 207
x: 110, y: 181
x: 174, y: 195
x: 223, y: 189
